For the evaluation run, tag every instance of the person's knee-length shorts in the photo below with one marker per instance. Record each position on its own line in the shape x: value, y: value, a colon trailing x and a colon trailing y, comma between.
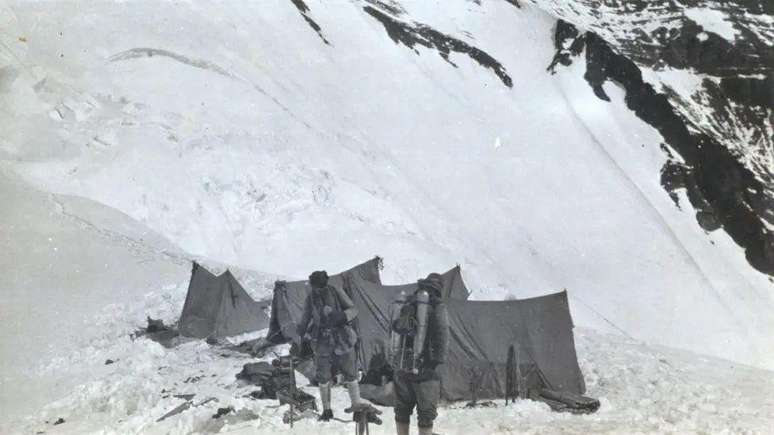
x: 325, y: 360
x: 411, y: 392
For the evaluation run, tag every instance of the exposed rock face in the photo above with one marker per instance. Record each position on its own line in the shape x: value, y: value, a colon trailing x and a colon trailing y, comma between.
x: 721, y: 129
x: 698, y: 72
x: 305, y: 12
x: 411, y: 34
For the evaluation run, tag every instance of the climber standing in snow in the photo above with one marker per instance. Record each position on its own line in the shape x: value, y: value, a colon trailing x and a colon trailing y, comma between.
x: 421, y: 331
x: 328, y: 312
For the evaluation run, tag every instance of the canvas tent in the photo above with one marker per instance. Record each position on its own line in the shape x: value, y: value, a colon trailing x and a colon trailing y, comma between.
x: 287, y: 304
x: 453, y: 285
x: 539, y: 329
x: 218, y: 306
x: 289, y: 297
x: 481, y: 332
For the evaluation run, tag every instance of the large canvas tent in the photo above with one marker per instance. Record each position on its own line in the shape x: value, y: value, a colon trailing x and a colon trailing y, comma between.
x: 453, y: 285
x: 481, y: 332
x: 540, y: 331
x: 289, y: 297
x: 218, y: 306
x: 287, y: 304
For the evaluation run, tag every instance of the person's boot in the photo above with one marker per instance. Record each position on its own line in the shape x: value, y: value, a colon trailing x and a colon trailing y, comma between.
x: 325, y: 398
x: 326, y: 415
x: 402, y: 428
x: 425, y: 430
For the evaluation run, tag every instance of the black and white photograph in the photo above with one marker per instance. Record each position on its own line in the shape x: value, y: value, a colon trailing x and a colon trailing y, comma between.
x: 425, y: 217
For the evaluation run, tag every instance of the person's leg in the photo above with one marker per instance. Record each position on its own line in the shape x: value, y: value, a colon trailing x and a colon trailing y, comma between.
x: 428, y: 393
x: 404, y: 403
x: 345, y: 364
x: 322, y: 362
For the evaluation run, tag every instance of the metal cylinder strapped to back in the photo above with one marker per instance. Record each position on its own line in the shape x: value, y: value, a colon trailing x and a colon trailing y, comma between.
x: 422, y: 301
x: 409, y: 319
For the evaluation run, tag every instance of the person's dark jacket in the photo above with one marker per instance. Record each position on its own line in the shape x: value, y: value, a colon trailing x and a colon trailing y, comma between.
x: 325, y: 321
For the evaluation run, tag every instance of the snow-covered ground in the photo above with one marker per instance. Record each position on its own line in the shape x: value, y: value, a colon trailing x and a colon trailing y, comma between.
x: 643, y: 389
x: 60, y: 264
x: 143, y: 134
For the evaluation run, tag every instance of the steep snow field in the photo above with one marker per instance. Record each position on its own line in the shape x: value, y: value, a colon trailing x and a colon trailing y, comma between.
x: 63, y: 259
x: 157, y: 132
x: 236, y: 132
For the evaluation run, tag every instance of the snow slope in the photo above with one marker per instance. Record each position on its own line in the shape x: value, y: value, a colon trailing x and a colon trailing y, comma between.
x: 239, y: 134
x: 64, y: 259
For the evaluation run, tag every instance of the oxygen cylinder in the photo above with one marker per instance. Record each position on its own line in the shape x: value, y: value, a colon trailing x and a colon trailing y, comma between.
x: 423, y: 300
x: 397, y: 341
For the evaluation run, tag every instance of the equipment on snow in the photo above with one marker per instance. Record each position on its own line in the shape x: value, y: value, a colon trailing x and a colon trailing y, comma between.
x: 564, y: 401
x: 184, y: 406
x: 363, y: 414
x: 298, y: 400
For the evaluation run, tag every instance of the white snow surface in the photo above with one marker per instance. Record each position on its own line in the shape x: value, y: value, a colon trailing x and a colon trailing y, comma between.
x: 642, y: 389
x: 713, y: 21
x: 158, y: 132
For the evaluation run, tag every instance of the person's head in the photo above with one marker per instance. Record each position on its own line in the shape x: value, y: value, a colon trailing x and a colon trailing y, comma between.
x: 318, y: 279
x: 433, y: 284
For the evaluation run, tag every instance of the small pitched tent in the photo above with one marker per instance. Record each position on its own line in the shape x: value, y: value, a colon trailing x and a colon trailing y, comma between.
x: 481, y: 332
x: 218, y: 306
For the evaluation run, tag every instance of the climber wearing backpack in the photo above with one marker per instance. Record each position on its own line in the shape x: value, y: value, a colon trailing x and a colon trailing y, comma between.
x: 328, y: 312
x: 419, y: 342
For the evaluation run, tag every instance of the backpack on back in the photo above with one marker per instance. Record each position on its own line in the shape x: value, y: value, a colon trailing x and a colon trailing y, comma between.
x: 408, y: 328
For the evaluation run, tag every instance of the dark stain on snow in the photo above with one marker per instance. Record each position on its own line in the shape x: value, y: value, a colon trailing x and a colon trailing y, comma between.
x: 725, y: 193
x: 304, y: 10
x: 412, y: 34
x: 141, y: 52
